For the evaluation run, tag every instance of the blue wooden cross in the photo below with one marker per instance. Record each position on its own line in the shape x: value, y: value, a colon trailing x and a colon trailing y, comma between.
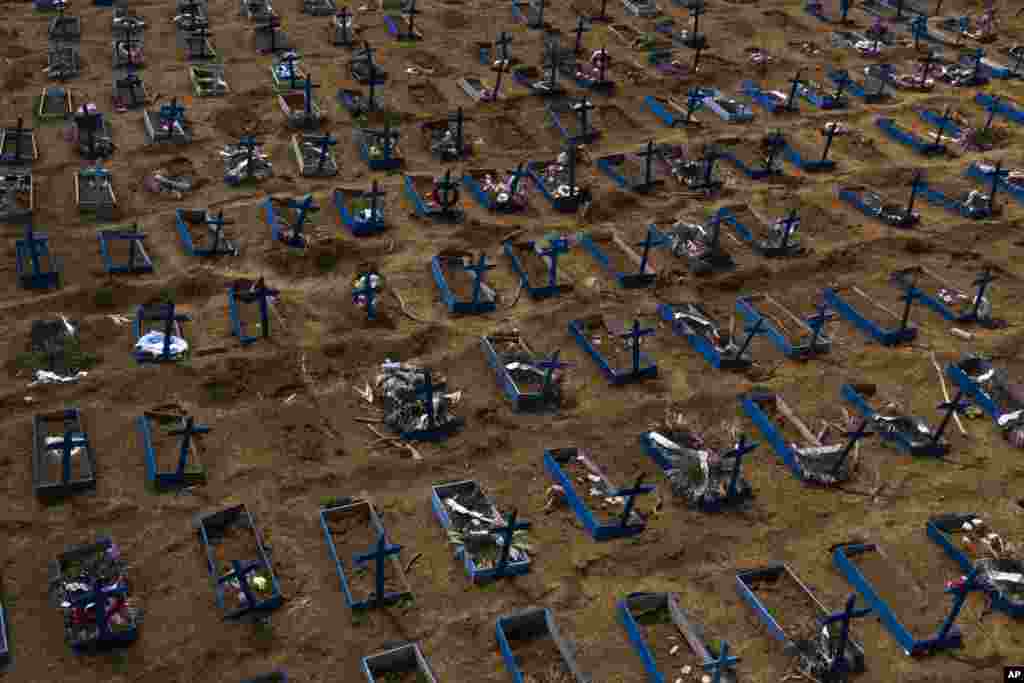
x: 992, y: 106
x: 914, y: 187
x: 717, y: 666
x: 959, y: 592
x: 752, y: 331
x: 98, y: 597
x: 978, y: 55
x: 830, y: 133
x: 375, y: 194
x: 651, y: 240
x: 742, y: 448
x: 169, y: 318
x: 919, y: 29
x: 998, y: 173
x: 844, y: 9
x: 648, y: 156
x: 817, y: 323
x: 910, y: 295
x: 217, y: 228
x: 854, y: 436
x: 261, y: 293
x: 387, y: 139
x: 302, y: 206
x: 66, y: 445
x: 307, y: 100
x: 379, y: 555
x: 981, y: 282
x: 583, y: 109
x: 844, y: 618
x: 788, y: 224
x: 550, y: 366
x: 478, y: 269
x: 630, y: 494
x: 506, y: 532
x: 186, y: 433
x: 515, y: 175
x: 693, y: 101
x: 796, y: 81
x: 635, y: 335
x: 556, y: 246
x: 941, y: 126
x: 289, y: 59
x: 954, y: 407
x: 426, y: 391
x: 324, y: 142
x: 16, y: 134
x: 240, y: 572
x: 368, y: 292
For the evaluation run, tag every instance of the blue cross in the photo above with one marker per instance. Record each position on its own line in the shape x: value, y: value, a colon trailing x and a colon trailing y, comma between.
x: 166, y: 315
x: 186, y: 433
x: 302, y: 205
x: 447, y: 192
x: 742, y: 448
x: 478, y: 269
x: 134, y: 239
x: 844, y: 618
x: 919, y: 28
x: 940, y: 129
x: 636, y: 334
x: 556, y: 246
x: 550, y: 366
x: 651, y: 240
x: 426, y: 391
x: 506, y: 532
x: 787, y: 228
x: 515, y: 176
x: 66, y: 445
x: 630, y: 494
x: 217, y: 228
x: 992, y: 107
x: 914, y: 187
x: 959, y: 593
x: 648, y: 156
x: 844, y: 9
x: 289, y: 59
x: 752, y: 331
x: 817, y: 323
x: 796, y: 82
x: 240, y: 572
x: 717, y: 666
x: 830, y: 134
x: 324, y: 142
x: 910, y: 295
x: 854, y: 436
x: 98, y: 596
x: 369, y: 292
x: 693, y: 102
x: 249, y: 144
x: 954, y: 407
x: 261, y: 293
x: 387, y: 138
x: 307, y: 89
x: 379, y: 555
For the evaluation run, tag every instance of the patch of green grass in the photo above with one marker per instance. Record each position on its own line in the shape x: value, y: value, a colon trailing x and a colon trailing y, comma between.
x: 360, y: 617
x: 104, y: 297
x: 216, y: 392
x: 326, y: 261
x: 166, y: 296
x: 74, y: 358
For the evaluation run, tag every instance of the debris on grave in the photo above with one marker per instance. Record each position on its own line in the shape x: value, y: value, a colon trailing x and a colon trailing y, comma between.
x: 208, y: 80
x: 161, y: 181
x: 89, y: 585
x: 700, y: 474
x: 55, y: 354
x: 412, y: 399
x: 1002, y: 399
x: 700, y: 245
x: 91, y: 132
x: 152, y: 344
x: 62, y: 62
x: 368, y: 280
x: 245, y: 161
x: 17, y: 194
x: 476, y: 526
x: 759, y: 57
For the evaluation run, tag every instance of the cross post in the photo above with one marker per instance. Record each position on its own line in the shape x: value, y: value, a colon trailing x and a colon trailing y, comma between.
x: 998, y: 173
x: 555, y: 247
x: 648, y: 156
x: 742, y: 448
x: 188, y: 430
x: 914, y: 187
x: 788, y: 225
x: 32, y: 243
x: 581, y: 28
x: 375, y: 194
x: 830, y: 134
x: 630, y: 494
x: 325, y: 143
x: 817, y: 324
x: 217, y: 227
x: 583, y: 109
x: 796, y: 83
x: 342, y: 20
x: 308, y: 88
x: 550, y: 365
x: 98, y: 597
x: 502, y: 43
x: 752, y: 331
x: 497, y: 81
x: 458, y: 119
x: 506, y: 532
x: 240, y: 572
x: 692, y: 103
x: 696, y: 10
x: 982, y: 282
x: 717, y: 666
x: 261, y: 293
x: 426, y: 391
x: 410, y: 12
x: 478, y: 269
x: 854, y: 436
x: 651, y: 240
x: 954, y: 407
x: 844, y: 618
x: 447, y: 192
x: 635, y: 335
x: 379, y: 555
x: 959, y: 593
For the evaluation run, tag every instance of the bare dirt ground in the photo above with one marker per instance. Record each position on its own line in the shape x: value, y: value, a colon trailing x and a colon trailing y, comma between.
x: 281, y: 411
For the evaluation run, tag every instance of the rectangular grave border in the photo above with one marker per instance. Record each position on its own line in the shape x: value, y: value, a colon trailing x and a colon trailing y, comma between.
x: 406, y: 657
x: 75, y: 429
x: 528, y: 624
x: 194, y: 472
x: 647, y: 369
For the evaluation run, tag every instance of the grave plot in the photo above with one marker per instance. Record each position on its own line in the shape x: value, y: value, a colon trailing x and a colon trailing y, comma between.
x: 703, y: 471
x: 123, y: 250
x: 64, y: 28
x: 361, y: 106
x: 758, y: 160
x: 992, y: 390
x: 380, y: 149
x: 91, y: 133
x: 728, y: 351
x: 909, y: 609
x: 63, y: 62
x: 618, y: 258
x: 592, y: 74
x: 54, y: 103
x: 968, y: 72
x: 954, y: 303
x: 793, y: 616
x: 168, y: 124
x: 18, y: 144
x: 245, y: 162
x: 460, y: 277
x: 490, y: 546
x: 94, y: 192
x: 286, y: 219
x: 724, y: 107
x: 865, y: 45
x: 367, y: 564
x: 614, y: 346
x: 998, y: 178
x: 970, y: 542
x: 479, y: 89
x: 798, y: 337
x: 675, y: 112
x: 191, y: 16
x: 885, y: 210
x: 556, y: 180
x: 541, y: 83
x: 343, y: 31
x: 17, y: 195
x: 691, y: 37
x: 695, y: 173
x: 829, y: 458
x: 808, y: 154
x: 402, y: 26
x: 287, y: 73
x: 634, y: 172
x: 880, y: 312
x: 536, y: 264
x: 871, y: 88
x: 604, y: 510
x: 89, y: 585
x: 654, y: 621
x: 167, y: 342
x: 127, y: 53
x: 314, y: 156
x: 773, y: 101
x: 966, y: 129
x: 927, y: 143
x: 534, y: 649
x: 364, y: 69
x: 190, y: 225
x: 243, y: 579
x: 248, y: 309
x: 301, y: 109
x: 498, y: 192
x: 319, y: 8
x: 199, y: 45
x: 769, y: 237
x: 571, y: 118
x: 361, y: 211
x: 851, y: 144
x: 368, y: 289
x: 129, y: 92
x: 36, y: 264
x: 63, y: 460
x: 531, y: 381
x: 171, y: 445
x: 55, y: 352
x: 402, y: 664
x: 414, y: 403
x: 445, y: 138
x: 437, y: 199
x: 267, y: 36
x: 256, y: 10
x: 917, y: 79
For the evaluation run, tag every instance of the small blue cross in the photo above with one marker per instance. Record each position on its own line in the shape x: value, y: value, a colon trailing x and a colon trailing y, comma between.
x: 636, y: 334
x: 506, y: 532
x: 478, y: 269
x: 844, y: 618
x: 651, y: 240
x: 742, y: 448
x: 186, y: 433
x: 379, y: 555
x: 717, y: 666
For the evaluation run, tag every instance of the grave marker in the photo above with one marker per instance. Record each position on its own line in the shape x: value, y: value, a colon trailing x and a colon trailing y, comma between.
x: 138, y: 260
